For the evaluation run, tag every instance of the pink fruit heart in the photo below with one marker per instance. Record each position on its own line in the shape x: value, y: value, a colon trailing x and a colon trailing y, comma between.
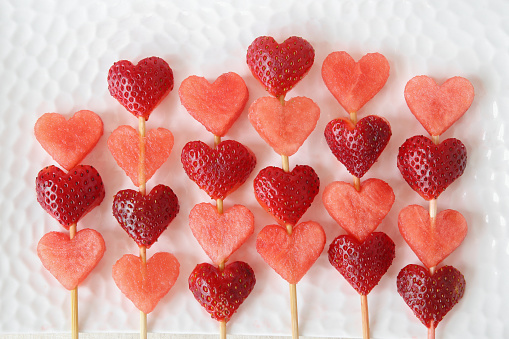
x: 215, y: 105
x: 352, y: 83
x: 124, y: 145
x: 145, y: 284
x: 291, y: 255
x: 358, y: 212
x: 71, y: 260
x: 438, y: 107
x: 220, y: 234
x: 68, y: 141
x: 431, y: 241
x: 284, y: 127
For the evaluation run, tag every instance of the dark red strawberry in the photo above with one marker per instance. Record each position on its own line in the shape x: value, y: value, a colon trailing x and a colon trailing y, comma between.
x: 358, y: 146
x: 67, y: 197
x: 362, y: 264
x: 144, y: 218
x: 430, y: 296
x: 428, y: 168
x: 286, y: 195
x: 222, y: 292
x: 279, y: 67
x: 142, y: 87
x: 218, y: 171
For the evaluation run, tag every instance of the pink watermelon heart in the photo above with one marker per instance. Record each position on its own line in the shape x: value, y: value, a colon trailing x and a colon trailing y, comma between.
x: 71, y: 260
x: 431, y: 241
x: 215, y: 105
x: 68, y: 141
x: 437, y: 107
x: 358, y: 212
x: 220, y: 234
x: 284, y: 127
x: 291, y: 255
x: 353, y: 83
x: 145, y: 284
x: 124, y: 145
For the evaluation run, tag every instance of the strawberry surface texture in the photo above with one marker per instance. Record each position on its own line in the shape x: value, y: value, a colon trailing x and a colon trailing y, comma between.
x: 141, y: 87
x: 222, y: 292
x: 68, y: 197
x: 428, y: 168
x: 145, y: 217
x: 279, y: 67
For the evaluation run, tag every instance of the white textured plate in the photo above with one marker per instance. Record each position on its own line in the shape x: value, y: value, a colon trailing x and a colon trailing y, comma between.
x: 55, y: 55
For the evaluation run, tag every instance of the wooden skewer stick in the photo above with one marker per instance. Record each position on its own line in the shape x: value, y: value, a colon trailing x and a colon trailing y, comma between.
x: 142, y: 185
x: 143, y: 316
x: 365, y: 316
x: 74, y: 297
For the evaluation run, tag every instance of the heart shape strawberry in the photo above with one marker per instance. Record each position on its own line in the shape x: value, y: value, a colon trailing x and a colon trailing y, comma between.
x: 67, y: 197
x: 362, y: 264
x: 222, y: 292
x: 279, y: 67
x: 291, y: 255
x: 220, y: 234
x: 358, y: 146
x: 124, y: 144
x: 284, y: 127
x: 430, y: 297
x: 140, y: 88
x: 68, y: 141
x: 431, y: 241
x: 353, y: 83
x: 358, y: 212
x: 145, y: 284
x: 215, y: 105
x: 218, y: 171
x: 428, y: 168
x: 437, y: 107
x: 71, y: 260
x: 145, y: 217
x: 286, y: 195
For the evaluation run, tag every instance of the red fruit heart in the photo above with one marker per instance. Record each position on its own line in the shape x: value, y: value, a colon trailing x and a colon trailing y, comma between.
x: 220, y: 234
x: 286, y: 195
x: 140, y: 88
x: 68, y: 141
x: 430, y: 297
x: 362, y: 264
x: 279, y: 67
x: 358, y: 212
x: 124, y: 145
x: 358, y: 146
x: 216, y: 106
x: 431, y: 241
x: 438, y: 107
x: 67, y: 197
x: 218, y: 171
x: 145, y: 284
x: 291, y: 255
x: 352, y: 83
x: 284, y: 127
x: 144, y: 218
x: 221, y: 293
x: 428, y: 168
x: 71, y: 260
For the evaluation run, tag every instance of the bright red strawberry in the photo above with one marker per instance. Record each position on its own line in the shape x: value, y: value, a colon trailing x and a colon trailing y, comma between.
x: 286, y: 195
x: 362, y: 264
x: 67, y: 197
x: 358, y: 146
x: 140, y: 88
x: 218, y: 171
x: 430, y: 296
x: 222, y: 292
x: 144, y: 218
x: 279, y: 67
x: 428, y: 168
